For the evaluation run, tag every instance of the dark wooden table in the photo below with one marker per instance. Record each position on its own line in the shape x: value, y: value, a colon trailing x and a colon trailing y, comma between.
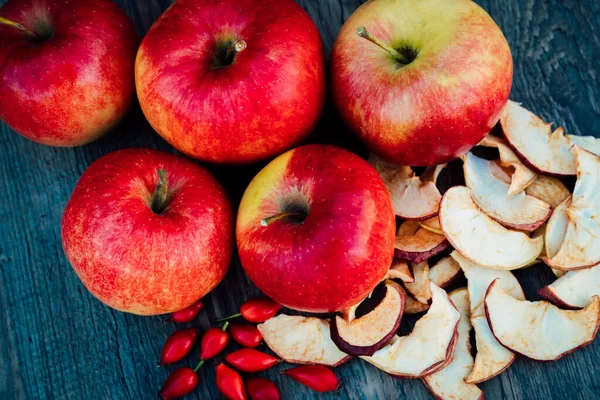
x: 58, y: 342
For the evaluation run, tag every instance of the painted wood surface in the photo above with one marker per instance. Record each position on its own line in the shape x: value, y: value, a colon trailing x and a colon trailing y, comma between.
x: 58, y: 342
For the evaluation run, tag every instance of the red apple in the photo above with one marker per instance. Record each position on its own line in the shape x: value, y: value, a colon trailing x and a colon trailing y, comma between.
x: 66, y: 68
x: 315, y: 229
x: 232, y: 81
x: 421, y: 81
x: 148, y: 232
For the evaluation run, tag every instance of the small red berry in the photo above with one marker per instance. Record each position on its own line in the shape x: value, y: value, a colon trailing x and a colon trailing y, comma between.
x: 178, y: 345
x: 262, y: 389
x: 230, y: 383
x: 187, y: 314
x: 181, y: 382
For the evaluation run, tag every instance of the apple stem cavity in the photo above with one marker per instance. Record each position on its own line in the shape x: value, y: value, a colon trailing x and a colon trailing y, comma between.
x: 364, y: 33
x: 21, y: 27
x: 277, y: 217
x: 160, y: 199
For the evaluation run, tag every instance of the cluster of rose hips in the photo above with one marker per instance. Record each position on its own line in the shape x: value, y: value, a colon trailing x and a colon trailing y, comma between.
x: 230, y: 383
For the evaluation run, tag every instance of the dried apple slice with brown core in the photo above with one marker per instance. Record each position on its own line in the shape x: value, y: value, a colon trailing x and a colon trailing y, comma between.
x: 428, y: 347
x: 518, y: 211
x: 522, y: 176
x: 538, y: 329
x: 400, y: 269
x: 581, y: 245
x: 367, y: 334
x: 419, y: 289
x: 576, y: 289
x: 302, y: 340
x: 413, y: 198
x: 549, y: 190
x: 538, y: 146
x: 417, y: 244
x: 449, y: 383
x: 492, y: 358
x: 480, y: 238
x: 445, y: 272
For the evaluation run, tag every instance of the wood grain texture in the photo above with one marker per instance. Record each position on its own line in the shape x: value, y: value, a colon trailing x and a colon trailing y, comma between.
x: 58, y: 342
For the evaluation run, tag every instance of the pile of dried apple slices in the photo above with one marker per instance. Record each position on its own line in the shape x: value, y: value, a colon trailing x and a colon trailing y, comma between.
x: 513, y: 211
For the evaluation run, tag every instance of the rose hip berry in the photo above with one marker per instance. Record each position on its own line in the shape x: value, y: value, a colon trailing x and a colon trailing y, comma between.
x: 181, y: 382
x: 316, y: 377
x: 187, y: 314
x: 245, y: 335
x: 250, y: 360
x: 230, y: 383
x: 178, y: 345
x: 213, y: 342
x: 258, y: 309
x: 262, y: 389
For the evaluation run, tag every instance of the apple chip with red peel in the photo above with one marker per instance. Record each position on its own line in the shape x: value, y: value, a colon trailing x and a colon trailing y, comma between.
x: 350, y: 313
x: 400, y: 269
x: 538, y: 329
x: 432, y: 225
x: 556, y: 229
x: 302, y: 340
x: 431, y: 174
x: 367, y: 334
x: 414, y: 307
x: 445, y: 272
x: 481, y: 239
x: 522, y: 175
x: 413, y: 198
x: 517, y: 211
x: 428, y: 347
x: 576, y: 289
x: 549, y: 190
x: 419, y: 289
x: 492, y: 358
x: 417, y: 244
x: 581, y: 245
x: 449, y: 383
x: 538, y: 146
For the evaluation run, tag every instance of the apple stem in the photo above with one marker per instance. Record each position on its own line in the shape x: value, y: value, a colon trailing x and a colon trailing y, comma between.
x: 21, y: 27
x: 159, y: 198
x: 273, y: 218
x: 364, y: 33
x: 234, y: 48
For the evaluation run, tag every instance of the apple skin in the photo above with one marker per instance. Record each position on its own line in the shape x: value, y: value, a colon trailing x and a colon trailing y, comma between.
x: 266, y: 101
x: 74, y: 86
x: 342, y: 249
x: 436, y: 108
x: 134, y: 259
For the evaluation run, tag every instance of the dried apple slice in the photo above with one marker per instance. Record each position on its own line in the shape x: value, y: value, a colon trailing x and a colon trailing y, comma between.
x: 500, y: 172
x: 517, y: 211
x: 581, y: 245
x: 432, y: 225
x: 413, y: 198
x: 445, y: 272
x: 590, y: 143
x: 556, y: 229
x: 419, y: 289
x: 538, y: 329
x: 417, y: 244
x: 576, y: 289
x: 549, y: 190
x: 414, y: 307
x: 522, y: 176
x: 480, y: 238
x: 449, y: 383
x: 400, y: 269
x: 367, y: 334
x: 302, y: 340
x: 428, y: 347
x: 492, y: 358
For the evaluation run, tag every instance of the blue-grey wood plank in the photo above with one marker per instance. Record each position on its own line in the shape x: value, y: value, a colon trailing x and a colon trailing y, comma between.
x: 58, y: 342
